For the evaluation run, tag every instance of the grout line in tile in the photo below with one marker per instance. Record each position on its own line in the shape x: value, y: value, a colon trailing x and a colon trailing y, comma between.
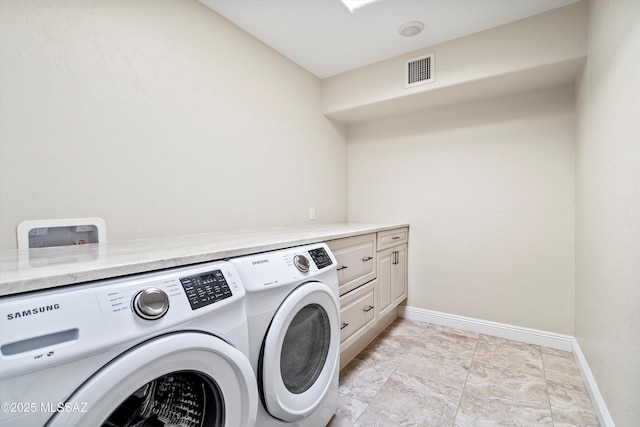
x: 465, y: 381
x: 546, y: 386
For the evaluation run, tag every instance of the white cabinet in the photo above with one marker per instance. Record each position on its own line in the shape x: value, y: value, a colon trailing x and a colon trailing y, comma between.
x: 392, y: 277
x: 392, y: 268
x: 390, y: 238
x: 356, y: 260
x: 385, y: 268
x: 400, y: 276
x: 372, y: 279
x: 357, y: 312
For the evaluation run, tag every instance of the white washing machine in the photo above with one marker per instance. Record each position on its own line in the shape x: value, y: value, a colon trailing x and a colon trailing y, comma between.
x: 294, y: 336
x: 162, y: 349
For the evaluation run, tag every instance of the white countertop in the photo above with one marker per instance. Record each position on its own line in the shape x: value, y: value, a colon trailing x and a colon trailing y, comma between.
x: 36, y: 269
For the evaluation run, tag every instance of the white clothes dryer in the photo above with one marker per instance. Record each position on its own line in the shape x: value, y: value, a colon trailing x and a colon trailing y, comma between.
x: 294, y: 335
x: 167, y: 348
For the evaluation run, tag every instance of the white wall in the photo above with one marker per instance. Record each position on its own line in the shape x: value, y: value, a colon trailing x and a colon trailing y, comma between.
x: 160, y: 117
x: 484, y: 172
x: 608, y: 207
x: 488, y: 189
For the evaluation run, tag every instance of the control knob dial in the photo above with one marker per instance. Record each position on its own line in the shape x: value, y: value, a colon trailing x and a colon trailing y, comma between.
x: 302, y: 263
x: 151, y: 303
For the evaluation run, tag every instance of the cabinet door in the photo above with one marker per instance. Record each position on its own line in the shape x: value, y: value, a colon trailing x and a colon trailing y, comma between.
x: 385, y: 279
x: 400, y: 274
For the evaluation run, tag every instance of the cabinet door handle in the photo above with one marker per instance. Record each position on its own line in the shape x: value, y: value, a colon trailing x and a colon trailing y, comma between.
x: 395, y: 257
x: 342, y: 267
x: 367, y: 258
x: 367, y: 308
x: 344, y: 325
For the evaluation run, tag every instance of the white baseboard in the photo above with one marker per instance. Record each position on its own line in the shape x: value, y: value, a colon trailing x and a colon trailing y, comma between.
x: 592, y: 387
x: 517, y: 333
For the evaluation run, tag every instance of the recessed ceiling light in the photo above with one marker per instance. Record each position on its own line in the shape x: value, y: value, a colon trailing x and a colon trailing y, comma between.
x: 352, y: 5
x: 411, y: 29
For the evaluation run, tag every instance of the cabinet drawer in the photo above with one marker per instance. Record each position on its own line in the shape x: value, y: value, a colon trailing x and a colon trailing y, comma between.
x: 356, y: 260
x: 389, y: 238
x: 357, y: 311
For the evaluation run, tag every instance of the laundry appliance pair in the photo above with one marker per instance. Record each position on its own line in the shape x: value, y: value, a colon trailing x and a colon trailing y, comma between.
x: 193, y: 346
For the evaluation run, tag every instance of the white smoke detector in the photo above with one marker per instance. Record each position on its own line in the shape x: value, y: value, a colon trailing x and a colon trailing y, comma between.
x: 411, y: 29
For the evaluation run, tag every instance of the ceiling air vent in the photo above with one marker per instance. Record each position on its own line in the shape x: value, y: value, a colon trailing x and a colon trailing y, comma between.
x: 418, y: 71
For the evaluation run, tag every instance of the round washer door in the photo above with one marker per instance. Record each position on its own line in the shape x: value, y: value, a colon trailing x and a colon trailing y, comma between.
x: 300, y: 353
x: 194, y: 376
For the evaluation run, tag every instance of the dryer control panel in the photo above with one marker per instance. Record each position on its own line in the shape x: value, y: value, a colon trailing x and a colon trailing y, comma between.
x: 283, y: 267
x: 320, y: 257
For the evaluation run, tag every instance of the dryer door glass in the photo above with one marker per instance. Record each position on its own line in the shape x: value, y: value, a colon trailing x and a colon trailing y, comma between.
x: 299, y: 358
x: 305, y: 348
x: 185, y: 399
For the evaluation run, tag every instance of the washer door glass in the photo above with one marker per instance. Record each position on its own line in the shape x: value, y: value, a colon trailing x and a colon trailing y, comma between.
x: 305, y: 348
x: 300, y: 353
x: 185, y: 379
x: 185, y: 398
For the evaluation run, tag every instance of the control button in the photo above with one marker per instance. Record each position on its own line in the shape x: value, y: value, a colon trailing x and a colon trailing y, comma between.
x: 151, y: 303
x: 302, y: 263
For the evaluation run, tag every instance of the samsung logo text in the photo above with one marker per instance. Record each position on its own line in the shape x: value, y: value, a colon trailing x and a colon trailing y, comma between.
x: 32, y: 311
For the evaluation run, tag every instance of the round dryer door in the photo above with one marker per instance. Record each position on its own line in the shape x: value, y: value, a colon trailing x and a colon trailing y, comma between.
x: 300, y: 356
x: 185, y: 379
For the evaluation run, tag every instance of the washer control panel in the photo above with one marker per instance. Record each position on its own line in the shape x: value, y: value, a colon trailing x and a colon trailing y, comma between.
x: 57, y: 326
x: 206, y: 288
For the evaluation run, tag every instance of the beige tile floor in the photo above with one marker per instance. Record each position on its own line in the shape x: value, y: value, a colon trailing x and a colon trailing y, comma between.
x: 418, y: 374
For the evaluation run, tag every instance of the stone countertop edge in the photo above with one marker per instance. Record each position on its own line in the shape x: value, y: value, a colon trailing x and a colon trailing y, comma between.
x: 31, y: 270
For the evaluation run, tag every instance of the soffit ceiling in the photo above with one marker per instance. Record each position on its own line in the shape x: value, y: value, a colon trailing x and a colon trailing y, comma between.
x: 326, y: 39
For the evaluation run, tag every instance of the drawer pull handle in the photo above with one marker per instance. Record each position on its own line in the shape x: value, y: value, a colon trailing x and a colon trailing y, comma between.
x: 395, y: 238
x: 344, y: 325
x: 367, y: 308
x: 342, y: 267
x: 367, y: 258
